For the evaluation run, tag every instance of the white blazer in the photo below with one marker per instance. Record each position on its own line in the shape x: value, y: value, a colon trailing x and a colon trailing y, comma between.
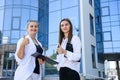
x: 26, y: 65
x: 71, y: 59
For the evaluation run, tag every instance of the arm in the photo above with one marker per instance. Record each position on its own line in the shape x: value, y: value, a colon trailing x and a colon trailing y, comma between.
x: 20, y: 52
x: 76, y: 54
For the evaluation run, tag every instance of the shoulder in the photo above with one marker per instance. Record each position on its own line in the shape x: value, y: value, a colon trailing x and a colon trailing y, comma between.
x: 75, y: 37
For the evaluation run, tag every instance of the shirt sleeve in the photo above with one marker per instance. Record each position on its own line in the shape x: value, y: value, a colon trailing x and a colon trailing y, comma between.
x: 76, y: 54
x: 18, y: 60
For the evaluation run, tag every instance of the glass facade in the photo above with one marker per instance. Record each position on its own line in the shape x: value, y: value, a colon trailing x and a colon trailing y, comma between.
x: 111, y: 25
x: 0, y: 37
x: 99, y: 34
x: 59, y: 9
x: 14, y: 15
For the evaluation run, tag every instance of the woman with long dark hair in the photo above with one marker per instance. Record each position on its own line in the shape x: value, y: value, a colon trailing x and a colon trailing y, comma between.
x: 69, y: 52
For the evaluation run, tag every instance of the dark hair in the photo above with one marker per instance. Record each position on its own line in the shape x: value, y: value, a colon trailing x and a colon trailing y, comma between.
x: 61, y: 34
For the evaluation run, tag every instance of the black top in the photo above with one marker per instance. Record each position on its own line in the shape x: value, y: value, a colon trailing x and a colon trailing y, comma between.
x: 37, y: 69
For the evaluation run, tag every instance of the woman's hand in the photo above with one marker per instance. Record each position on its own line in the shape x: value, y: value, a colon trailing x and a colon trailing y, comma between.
x: 60, y: 50
x: 41, y: 61
x: 25, y: 41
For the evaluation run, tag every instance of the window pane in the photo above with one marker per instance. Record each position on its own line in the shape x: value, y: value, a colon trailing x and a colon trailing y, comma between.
x: 26, y: 2
x: 91, y: 25
x: 114, y: 18
x: 15, y: 34
x: 1, y: 19
x: 105, y: 19
x: 55, y: 5
x: 115, y: 33
x: 16, y: 23
x: 107, y: 44
x: 107, y: 36
x: 54, y: 17
x: 34, y: 3
x: 16, y: 11
x: 18, y: 2
x: 2, y: 2
x: 7, y: 19
x: 105, y: 11
x: 72, y: 14
x: 34, y: 15
x: 93, y: 56
x: 69, y: 3
x: 113, y: 7
x: 25, y: 17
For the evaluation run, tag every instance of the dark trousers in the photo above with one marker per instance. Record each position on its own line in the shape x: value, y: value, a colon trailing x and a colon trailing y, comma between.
x: 68, y: 74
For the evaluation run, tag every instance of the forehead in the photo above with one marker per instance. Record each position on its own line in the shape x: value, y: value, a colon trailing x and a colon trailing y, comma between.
x: 33, y: 23
x: 64, y: 22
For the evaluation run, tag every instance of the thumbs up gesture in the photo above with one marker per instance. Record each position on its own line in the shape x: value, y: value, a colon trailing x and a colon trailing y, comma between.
x: 25, y: 40
x: 60, y: 50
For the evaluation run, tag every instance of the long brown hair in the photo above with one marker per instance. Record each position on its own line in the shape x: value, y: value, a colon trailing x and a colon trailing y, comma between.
x: 61, y: 34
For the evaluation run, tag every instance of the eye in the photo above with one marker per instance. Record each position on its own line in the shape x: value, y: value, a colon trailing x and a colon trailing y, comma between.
x: 31, y: 26
x: 36, y: 26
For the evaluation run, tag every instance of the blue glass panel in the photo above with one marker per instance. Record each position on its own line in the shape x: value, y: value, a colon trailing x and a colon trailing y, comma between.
x: 114, y: 18
x: 6, y: 34
x: 107, y: 45
x: 104, y: 4
x: 16, y: 11
x: 106, y: 24
x: 16, y: 23
x: 22, y: 33
x: 2, y: 2
x: 34, y: 15
x: 116, y: 23
x: 55, y: 18
x: 105, y: 11
x: 55, y: 5
x: 17, y: 2
x: 15, y: 34
x: 7, y: 19
x: 53, y: 38
x: 34, y: 3
x: 72, y: 14
x: 107, y: 36
x: 106, y: 29
x: 108, y: 50
x: 25, y: 18
x: 106, y: 19
x: 14, y: 41
x: 116, y: 44
x: 25, y: 2
x: 103, y: 0
x: 69, y: 3
x: 113, y: 7
x: 115, y: 33
x: 1, y: 19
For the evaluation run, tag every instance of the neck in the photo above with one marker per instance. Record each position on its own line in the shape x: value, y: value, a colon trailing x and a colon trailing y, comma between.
x: 32, y: 36
x: 65, y: 35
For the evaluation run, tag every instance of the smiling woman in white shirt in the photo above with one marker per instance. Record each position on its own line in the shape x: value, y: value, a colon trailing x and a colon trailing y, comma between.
x: 69, y: 52
x: 29, y: 67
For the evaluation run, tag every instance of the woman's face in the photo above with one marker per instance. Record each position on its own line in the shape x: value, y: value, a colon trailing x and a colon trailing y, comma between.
x: 65, y: 26
x: 32, y: 28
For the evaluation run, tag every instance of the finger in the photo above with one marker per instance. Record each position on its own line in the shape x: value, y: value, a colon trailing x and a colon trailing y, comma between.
x: 24, y: 36
x: 59, y: 45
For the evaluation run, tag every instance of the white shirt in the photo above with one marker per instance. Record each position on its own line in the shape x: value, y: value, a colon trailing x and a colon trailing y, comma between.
x: 26, y: 65
x: 72, y: 57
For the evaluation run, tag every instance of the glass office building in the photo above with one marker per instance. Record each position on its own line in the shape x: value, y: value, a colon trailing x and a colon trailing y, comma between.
x: 14, y: 15
x: 111, y: 25
x: 110, y: 16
